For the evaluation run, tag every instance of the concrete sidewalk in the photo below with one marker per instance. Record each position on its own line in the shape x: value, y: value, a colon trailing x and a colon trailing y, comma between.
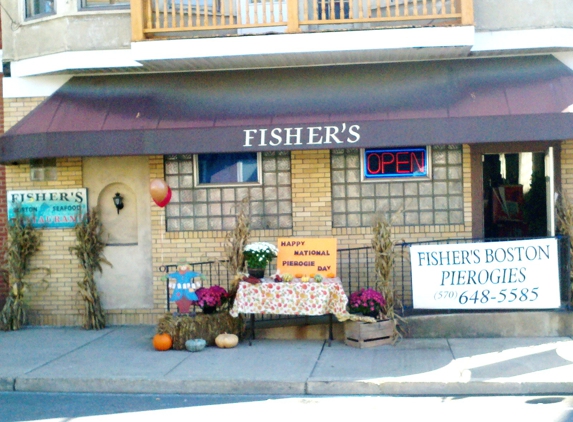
x: 121, y: 359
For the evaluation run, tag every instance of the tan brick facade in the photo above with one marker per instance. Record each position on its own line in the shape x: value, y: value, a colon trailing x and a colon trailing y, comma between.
x: 567, y: 169
x: 57, y: 302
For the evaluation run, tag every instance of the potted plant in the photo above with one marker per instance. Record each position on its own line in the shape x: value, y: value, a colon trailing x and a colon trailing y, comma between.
x: 368, y: 302
x: 257, y: 256
x: 211, y: 299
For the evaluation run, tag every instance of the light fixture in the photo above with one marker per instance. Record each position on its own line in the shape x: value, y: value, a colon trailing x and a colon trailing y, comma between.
x: 118, y: 201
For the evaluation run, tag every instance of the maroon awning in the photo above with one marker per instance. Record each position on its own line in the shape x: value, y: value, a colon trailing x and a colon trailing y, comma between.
x: 441, y: 102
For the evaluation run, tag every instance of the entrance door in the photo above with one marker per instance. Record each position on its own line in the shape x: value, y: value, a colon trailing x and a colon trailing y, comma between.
x: 127, y: 232
x: 516, y: 190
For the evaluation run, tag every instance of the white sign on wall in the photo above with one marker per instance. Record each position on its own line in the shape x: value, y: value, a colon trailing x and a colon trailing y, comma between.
x: 492, y: 275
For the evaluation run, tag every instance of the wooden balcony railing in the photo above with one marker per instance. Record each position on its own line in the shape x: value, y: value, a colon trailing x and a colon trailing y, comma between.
x: 183, y: 17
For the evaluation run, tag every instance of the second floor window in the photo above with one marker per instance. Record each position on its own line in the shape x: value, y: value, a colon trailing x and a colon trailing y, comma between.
x: 36, y: 8
x: 90, y: 4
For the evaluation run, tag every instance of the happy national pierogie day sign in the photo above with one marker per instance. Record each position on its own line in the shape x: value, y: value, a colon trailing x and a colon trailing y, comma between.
x: 307, y: 256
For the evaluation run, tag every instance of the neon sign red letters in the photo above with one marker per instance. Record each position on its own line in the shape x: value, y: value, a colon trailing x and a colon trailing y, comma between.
x: 404, y: 162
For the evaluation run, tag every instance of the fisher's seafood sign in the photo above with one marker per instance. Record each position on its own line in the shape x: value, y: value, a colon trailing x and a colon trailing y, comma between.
x: 53, y: 208
x: 491, y: 275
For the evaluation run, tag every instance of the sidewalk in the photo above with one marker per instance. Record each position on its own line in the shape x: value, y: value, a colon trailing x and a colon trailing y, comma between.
x: 121, y: 359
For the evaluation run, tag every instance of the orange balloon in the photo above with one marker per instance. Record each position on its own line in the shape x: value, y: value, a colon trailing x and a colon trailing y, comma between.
x: 165, y: 200
x: 158, y: 190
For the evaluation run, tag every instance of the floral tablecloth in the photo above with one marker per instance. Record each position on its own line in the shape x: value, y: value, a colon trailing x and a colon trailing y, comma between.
x: 293, y: 298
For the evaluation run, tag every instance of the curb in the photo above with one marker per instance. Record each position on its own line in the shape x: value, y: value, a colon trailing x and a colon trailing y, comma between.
x: 7, y: 384
x: 474, y: 388
x: 158, y: 386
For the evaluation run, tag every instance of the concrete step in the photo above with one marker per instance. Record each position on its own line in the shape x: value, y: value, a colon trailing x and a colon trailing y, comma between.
x: 456, y: 325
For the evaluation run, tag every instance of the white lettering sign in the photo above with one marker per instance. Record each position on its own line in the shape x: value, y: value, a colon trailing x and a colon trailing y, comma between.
x: 296, y: 136
x: 491, y: 275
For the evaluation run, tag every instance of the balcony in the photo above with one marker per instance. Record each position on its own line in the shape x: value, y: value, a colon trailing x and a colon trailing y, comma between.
x: 214, y: 18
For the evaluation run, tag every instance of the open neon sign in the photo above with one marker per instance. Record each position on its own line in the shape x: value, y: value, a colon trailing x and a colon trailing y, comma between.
x: 396, y: 162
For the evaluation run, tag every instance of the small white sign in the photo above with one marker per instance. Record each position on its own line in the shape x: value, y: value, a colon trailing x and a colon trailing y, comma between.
x: 492, y: 275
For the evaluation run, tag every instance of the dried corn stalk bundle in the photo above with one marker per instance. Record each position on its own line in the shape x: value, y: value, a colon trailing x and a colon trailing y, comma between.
x: 89, y: 251
x: 23, y: 242
x: 235, y: 243
x: 385, y: 254
x: 564, y: 213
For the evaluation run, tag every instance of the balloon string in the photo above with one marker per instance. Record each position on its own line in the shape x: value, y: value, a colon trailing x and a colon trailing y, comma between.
x: 162, y: 234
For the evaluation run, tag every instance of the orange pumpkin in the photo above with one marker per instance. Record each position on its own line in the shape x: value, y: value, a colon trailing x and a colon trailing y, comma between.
x: 330, y: 275
x: 298, y: 275
x: 162, y: 342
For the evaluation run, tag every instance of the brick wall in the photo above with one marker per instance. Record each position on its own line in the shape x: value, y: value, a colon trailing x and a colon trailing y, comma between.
x: 567, y: 169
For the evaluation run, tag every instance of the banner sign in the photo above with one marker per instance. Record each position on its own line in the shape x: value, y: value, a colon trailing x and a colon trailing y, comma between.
x: 52, y: 208
x: 492, y: 275
x: 307, y: 256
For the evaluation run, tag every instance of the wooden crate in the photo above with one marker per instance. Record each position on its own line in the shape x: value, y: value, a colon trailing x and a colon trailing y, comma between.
x: 364, y: 334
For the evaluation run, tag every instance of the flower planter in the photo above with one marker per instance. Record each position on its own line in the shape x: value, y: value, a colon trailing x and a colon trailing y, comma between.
x: 257, y: 272
x: 207, y: 310
x: 364, y: 334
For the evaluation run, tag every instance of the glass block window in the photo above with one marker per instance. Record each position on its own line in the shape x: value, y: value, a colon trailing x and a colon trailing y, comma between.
x: 203, y: 207
x: 435, y: 201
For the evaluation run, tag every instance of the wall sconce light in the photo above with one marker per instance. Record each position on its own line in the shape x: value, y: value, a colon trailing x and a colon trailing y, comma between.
x: 118, y: 201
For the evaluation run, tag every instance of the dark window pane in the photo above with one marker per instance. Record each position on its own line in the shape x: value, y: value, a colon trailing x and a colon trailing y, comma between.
x: 228, y: 168
x: 39, y: 7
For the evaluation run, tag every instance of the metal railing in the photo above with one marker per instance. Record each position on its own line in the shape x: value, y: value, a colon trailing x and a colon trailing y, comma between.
x: 161, y: 17
x: 356, y: 270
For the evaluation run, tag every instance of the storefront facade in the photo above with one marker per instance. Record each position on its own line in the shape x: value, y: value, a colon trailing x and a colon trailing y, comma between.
x: 317, y: 152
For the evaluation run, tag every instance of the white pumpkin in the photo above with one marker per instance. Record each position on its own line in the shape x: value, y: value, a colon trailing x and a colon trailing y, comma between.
x: 226, y: 341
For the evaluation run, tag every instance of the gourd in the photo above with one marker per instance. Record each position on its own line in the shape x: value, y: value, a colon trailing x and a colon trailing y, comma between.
x: 226, y: 341
x: 162, y: 341
x: 195, y: 345
x: 305, y: 279
x: 318, y: 278
x: 287, y: 277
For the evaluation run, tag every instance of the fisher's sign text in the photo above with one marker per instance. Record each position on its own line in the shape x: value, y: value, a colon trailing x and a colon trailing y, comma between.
x: 296, y: 136
x: 492, y: 275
